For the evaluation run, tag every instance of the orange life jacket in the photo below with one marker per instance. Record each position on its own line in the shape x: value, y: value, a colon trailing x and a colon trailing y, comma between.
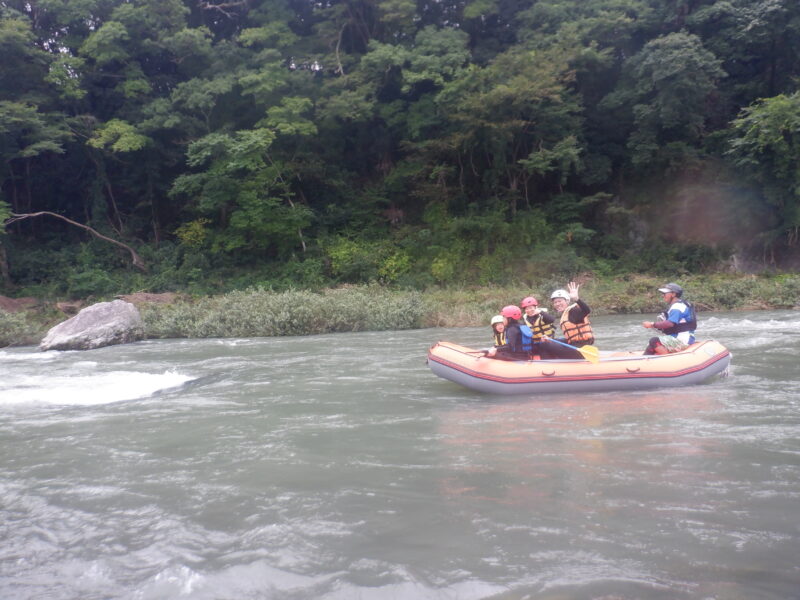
x: 576, y: 333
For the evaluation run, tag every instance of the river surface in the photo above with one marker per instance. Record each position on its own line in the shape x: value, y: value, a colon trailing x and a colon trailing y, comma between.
x: 339, y: 467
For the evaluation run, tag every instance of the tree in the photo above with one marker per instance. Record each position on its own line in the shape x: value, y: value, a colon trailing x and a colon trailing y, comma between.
x: 502, y: 118
x: 25, y: 134
x: 244, y: 192
x: 667, y: 87
x: 765, y: 145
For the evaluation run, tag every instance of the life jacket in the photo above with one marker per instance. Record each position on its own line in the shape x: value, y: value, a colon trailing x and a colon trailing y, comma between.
x: 576, y: 333
x: 527, y: 338
x: 539, y: 327
x: 518, y: 341
x: 499, y: 338
x: 689, y: 324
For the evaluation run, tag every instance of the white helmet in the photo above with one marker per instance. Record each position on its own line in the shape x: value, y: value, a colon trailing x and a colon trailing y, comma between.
x: 560, y: 294
x: 497, y: 319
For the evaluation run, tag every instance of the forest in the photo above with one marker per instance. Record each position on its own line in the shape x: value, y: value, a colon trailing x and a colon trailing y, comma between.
x: 213, y: 145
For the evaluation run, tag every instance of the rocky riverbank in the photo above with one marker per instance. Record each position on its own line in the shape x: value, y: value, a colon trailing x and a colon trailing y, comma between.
x: 254, y: 313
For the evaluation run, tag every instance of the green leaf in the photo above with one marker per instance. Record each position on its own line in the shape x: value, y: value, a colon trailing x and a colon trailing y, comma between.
x: 287, y: 118
x: 275, y: 34
x: 480, y: 8
x: 5, y: 213
x: 349, y: 106
x: 270, y: 77
x: 107, y: 44
x: 66, y: 76
x: 398, y: 15
x: 201, y: 94
x: 437, y: 56
x: 27, y: 132
x: 563, y: 157
x: 189, y: 44
x: 118, y: 136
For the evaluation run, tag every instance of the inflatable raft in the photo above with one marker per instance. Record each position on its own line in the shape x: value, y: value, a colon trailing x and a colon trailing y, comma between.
x: 614, y: 371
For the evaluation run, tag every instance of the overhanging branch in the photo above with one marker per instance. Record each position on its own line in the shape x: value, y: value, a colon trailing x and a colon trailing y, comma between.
x: 223, y: 7
x: 135, y: 258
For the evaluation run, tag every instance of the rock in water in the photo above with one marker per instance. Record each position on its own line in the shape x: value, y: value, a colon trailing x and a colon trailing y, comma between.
x: 98, y: 325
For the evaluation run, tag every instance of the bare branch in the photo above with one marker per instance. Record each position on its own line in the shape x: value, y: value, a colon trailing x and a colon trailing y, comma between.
x: 135, y: 258
x: 338, y: 44
x: 207, y: 5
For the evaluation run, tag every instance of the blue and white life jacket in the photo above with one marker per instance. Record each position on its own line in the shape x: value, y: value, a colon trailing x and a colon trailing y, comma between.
x: 682, y: 313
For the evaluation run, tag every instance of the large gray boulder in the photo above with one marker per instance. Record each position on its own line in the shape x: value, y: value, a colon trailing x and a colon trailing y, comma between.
x: 98, y: 325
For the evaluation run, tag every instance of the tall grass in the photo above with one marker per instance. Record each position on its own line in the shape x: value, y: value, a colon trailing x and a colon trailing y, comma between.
x: 17, y: 329
x: 255, y: 313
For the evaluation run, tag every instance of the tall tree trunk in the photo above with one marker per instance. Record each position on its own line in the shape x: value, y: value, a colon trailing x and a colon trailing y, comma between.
x: 773, y: 68
x: 14, y: 195
x: 28, y: 192
x: 153, y: 210
x: 4, y: 267
x: 118, y: 226
x: 114, y: 218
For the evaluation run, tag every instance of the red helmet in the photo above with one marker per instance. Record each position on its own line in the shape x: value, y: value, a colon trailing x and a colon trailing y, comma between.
x: 529, y: 301
x: 511, y: 311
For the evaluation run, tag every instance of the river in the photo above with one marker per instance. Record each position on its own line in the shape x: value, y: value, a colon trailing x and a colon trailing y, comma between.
x: 339, y: 467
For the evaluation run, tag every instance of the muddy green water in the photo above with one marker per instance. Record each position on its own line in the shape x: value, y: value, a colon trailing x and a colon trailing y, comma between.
x: 339, y: 467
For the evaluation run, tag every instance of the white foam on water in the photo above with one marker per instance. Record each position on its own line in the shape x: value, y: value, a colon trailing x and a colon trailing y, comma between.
x: 772, y: 325
x: 262, y: 580
x: 257, y: 580
x: 86, y: 364
x: 87, y: 389
x: 8, y: 357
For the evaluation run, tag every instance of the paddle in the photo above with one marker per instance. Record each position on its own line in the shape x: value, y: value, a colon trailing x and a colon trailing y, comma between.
x: 480, y: 352
x: 590, y: 353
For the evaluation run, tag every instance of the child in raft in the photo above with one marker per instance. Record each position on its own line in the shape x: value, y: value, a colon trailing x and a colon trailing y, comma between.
x: 498, y: 330
x: 517, y: 346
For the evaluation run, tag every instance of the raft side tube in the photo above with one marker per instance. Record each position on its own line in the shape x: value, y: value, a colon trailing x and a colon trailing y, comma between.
x: 698, y: 363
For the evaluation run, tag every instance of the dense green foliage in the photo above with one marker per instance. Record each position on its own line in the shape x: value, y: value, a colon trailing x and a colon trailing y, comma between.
x: 288, y: 143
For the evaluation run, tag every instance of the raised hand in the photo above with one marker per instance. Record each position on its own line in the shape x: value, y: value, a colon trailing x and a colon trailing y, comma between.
x: 572, y: 288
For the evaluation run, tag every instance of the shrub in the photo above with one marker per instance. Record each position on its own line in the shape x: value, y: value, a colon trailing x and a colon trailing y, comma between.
x: 787, y: 292
x: 258, y: 312
x: 17, y: 329
x: 394, y: 266
x: 444, y: 268
x: 91, y: 282
x: 353, y: 260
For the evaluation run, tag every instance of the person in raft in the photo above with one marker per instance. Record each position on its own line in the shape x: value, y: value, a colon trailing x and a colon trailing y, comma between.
x: 517, y: 346
x: 499, y: 330
x: 677, y: 323
x: 538, y: 319
x: 575, y: 325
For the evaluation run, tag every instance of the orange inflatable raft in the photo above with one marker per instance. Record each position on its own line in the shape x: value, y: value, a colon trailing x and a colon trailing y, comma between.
x: 613, y: 371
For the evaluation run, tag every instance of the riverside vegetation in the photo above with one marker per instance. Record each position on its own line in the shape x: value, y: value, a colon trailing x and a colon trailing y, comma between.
x: 260, y: 312
x: 297, y: 167
x: 205, y: 147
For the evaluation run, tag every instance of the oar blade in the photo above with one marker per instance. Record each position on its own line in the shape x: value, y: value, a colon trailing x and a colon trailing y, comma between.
x: 590, y: 353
